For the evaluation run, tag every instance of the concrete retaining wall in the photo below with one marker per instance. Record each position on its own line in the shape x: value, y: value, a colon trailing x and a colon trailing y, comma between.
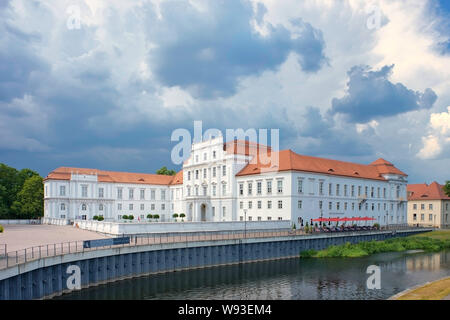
x: 55, y: 221
x: 115, y: 228
x: 47, y: 277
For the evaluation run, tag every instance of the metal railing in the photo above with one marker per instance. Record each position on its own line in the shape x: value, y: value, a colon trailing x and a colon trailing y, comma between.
x: 13, y: 258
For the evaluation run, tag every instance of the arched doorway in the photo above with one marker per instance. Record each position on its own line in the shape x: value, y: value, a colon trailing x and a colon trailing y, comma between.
x: 203, y: 212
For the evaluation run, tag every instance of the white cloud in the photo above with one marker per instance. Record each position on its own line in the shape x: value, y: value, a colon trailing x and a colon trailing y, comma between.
x: 439, y: 139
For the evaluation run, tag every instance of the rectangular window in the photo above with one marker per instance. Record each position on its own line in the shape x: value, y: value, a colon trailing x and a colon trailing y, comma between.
x: 330, y: 205
x: 130, y: 207
x: 321, y: 188
x: 205, y: 191
x: 241, y: 189
x: 224, y: 189
x: 422, y: 217
x: 163, y: 206
x: 142, y: 206
x: 63, y: 207
x: 163, y: 194
x: 130, y: 194
x: 430, y: 206
x: 299, y: 204
x: 430, y: 217
x: 214, y: 190
x: 153, y: 194
x: 353, y: 206
x: 300, y: 185
x: 384, y: 193
x: 280, y: 186
x: 269, y: 204
x: 224, y: 171
x: 330, y: 187
x: 214, y: 172
x: 196, y: 174
x: 338, y: 206
x: 269, y: 218
x: 345, y: 206
x: 142, y: 194
x: 119, y: 193
x: 224, y: 211
x: 378, y: 192
x: 250, y: 205
x: 366, y: 191
x: 259, y: 204
x: 359, y: 191
x: 320, y: 205
x: 213, y: 211
x: 100, y: 192
x: 338, y: 191
x: 353, y: 190
x: 189, y: 176
x: 241, y: 205
x: 372, y: 192
x: 280, y: 204
x: 204, y: 173
x: 422, y: 206
x: 259, y: 187
x: 415, y: 206
x: 84, y: 191
x: 345, y: 190
x: 62, y: 190
x: 415, y: 217
x: 152, y: 206
x: 269, y: 187
x: 250, y: 185
x: 119, y: 206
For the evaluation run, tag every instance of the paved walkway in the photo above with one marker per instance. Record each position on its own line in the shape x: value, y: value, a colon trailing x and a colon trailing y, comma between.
x: 18, y: 237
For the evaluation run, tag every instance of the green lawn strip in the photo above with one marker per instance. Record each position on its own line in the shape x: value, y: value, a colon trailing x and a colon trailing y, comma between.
x: 366, y: 248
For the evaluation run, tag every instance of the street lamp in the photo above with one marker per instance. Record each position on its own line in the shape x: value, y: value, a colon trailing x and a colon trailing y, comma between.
x: 321, y: 217
x: 387, y: 220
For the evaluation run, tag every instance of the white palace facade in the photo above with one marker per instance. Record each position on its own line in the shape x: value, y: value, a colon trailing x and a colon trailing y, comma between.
x: 229, y: 182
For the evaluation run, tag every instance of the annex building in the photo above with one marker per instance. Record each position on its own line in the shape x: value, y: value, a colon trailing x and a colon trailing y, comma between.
x: 232, y: 181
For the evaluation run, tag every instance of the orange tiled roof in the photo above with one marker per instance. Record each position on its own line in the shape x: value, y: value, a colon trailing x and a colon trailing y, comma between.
x: 64, y: 173
x: 243, y: 147
x: 422, y: 191
x: 178, y: 178
x: 289, y: 160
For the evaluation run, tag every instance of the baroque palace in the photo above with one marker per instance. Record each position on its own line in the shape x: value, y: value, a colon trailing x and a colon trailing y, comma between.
x: 229, y: 181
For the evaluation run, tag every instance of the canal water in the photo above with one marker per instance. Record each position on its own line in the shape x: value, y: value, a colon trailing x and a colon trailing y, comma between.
x: 296, y: 278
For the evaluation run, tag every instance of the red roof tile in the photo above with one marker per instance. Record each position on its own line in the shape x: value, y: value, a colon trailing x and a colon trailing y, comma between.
x: 243, y: 147
x: 289, y: 160
x: 64, y: 173
x: 422, y: 191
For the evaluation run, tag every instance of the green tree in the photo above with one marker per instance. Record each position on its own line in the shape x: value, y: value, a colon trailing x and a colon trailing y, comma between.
x: 447, y: 188
x: 30, y: 200
x: 166, y: 172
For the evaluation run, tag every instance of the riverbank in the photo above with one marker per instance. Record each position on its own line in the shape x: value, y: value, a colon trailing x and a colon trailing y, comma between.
x: 437, y: 290
x: 430, y: 242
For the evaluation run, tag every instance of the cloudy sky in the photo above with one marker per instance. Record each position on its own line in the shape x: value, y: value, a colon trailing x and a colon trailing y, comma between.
x: 102, y: 84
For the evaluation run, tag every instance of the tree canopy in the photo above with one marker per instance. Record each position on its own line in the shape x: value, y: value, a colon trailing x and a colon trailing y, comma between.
x: 166, y: 171
x: 447, y: 188
x: 16, y: 190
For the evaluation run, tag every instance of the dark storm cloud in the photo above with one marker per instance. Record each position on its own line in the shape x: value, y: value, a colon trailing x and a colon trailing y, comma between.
x: 208, y: 51
x: 370, y: 95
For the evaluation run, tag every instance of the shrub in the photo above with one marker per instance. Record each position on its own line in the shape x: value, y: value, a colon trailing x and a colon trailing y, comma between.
x: 1, y: 228
x: 131, y: 217
x: 182, y: 215
x: 101, y: 218
x: 125, y: 217
x: 149, y: 216
x: 175, y: 215
x: 156, y: 216
x: 95, y: 218
x: 376, y: 225
x: 308, y: 253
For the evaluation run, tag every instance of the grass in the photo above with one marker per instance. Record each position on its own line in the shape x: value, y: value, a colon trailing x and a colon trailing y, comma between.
x: 433, y: 291
x: 429, y: 242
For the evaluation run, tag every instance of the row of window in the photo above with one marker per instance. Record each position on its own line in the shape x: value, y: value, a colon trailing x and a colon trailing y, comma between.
x: 250, y: 218
x: 119, y: 207
x: 259, y: 187
x: 330, y: 205
x: 430, y: 206
x: 205, y: 156
x: 205, y: 190
x: 203, y: 172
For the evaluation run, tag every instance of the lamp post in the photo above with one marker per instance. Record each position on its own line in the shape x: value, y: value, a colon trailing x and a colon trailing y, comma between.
x: 321, y: 217
x: 245, y: 223
x: 387, y: 220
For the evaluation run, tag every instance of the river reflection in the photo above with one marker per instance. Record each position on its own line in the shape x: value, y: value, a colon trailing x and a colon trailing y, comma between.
x: 322, y: 279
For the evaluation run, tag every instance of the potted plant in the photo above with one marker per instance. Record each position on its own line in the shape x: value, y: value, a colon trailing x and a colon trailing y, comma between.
x: 156, y: 217
x: 95, y: 218
x: 175, y: 216
x: 125, y: 217
x: 131, y: 217
x: 150, y: 217
x: 100, y: 218
x: 182, y: 215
